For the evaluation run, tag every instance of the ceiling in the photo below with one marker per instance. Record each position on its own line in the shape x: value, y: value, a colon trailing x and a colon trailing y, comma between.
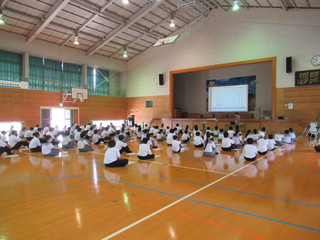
x: 107, y: 27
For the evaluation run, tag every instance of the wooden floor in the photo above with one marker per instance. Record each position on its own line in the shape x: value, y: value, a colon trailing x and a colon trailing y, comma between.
x: 176, y: 196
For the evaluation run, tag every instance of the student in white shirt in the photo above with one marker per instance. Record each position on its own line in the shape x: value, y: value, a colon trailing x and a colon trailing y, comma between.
x: 195, y: 130
x: 293, y: 135
x: 96, y: 138
x: 22, y: 132
x: 170, y: 137
x: 5, y: 148
x: 35, y: 145
x: 198, y: 140
x: 122, y: 145
x: 237, y: 138
x: 262, y: 132
x: 160, y: 136
x: 151, y: 142
x: 176, y: 144
x: 83, y: 145
x: 220, y: 135
x: 216, y: 131
x: 48, y: 150
x: 4, y: 136
x: 67, y: 142
x: 262, y: 145
x: 28, y: 134
x: 255, y: 135
x: 144, y: 152
x: 287, y: 137
x: 271, y: 143
x: 250, y: 151
x: 230, y: 132
x: 185, y: 137
x: 227, y: 143
x: 112, y: 157
x: 77, y: 134
x: 278, y: 137
x: 209, y: 147
x: 15, y: 141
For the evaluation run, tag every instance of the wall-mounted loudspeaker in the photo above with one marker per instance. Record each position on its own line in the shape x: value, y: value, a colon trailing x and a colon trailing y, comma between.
x: 161, y: 82
x: 289, y: 64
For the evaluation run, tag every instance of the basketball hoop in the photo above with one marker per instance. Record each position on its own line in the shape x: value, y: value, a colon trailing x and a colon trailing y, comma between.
x: 81, y: 98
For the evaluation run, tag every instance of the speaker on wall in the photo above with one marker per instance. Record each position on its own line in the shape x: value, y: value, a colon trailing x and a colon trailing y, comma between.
x: 289, y: 64
x: 161, y: 82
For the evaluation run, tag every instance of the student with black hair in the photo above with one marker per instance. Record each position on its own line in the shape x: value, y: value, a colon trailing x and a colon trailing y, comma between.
x: 4, y: 147
x: 15, y: 141
x: 122, y: 145
x: 48, y: 149
x: 83, y: 145
x: 250, y: 151
x: 198, y: 140
x: 271, y: 142
x: 209, y: 147
x: 185, y: 136
x: 35, y: 144
x: 112, y: 157
x: 67, y: 142
x: 227, y: 143
x: 176, y: 144
x: 96, y: 138
x: 144, y: 152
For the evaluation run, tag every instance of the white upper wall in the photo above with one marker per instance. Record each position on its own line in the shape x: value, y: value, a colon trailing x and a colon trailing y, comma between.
x: 15, y: 43
x: 232, y: 37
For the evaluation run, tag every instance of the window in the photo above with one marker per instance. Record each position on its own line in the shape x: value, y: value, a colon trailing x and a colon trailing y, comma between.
x: 149, y: 104
x: 10, y: 66
x: 98, y: 82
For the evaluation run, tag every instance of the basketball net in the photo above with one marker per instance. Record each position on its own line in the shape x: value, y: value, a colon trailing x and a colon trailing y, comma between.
x: 81, y: 98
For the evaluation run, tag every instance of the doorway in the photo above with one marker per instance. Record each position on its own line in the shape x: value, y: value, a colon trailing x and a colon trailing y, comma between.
x: 61, y: 117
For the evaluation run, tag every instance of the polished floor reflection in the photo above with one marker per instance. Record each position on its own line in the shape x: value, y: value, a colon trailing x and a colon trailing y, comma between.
x: 175, y: 196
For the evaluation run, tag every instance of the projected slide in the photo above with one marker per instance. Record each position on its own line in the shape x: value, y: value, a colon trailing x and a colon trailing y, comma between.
x: 228, y: 98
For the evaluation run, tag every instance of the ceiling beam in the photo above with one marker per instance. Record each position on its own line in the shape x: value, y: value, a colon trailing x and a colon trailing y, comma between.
x: 3, y: 4
x: 51, y: 14
x: 79, y: 29
x: 284, y: 5
x: 139, y: 14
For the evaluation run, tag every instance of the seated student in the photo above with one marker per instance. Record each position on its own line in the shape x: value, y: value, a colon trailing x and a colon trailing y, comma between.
x: 67, y: 142
x: 151, y: 142
x: 293, y: 135
x: 5, y: 148
x: 122, y: 145
x: 112, y: 157
x: 185, y: 136
x: 250, y: 151
x: 176, y: 144
x: 220, y: 135
x: 144, y: 152
x: 29, y: 134
x: 96, y: 138
x: 170, y: 137
x: 317, y: 148
x: 160, y: 136
x: 262, y: 145
x: 227, y: 143
x: 216, y: 132
x: 83, y: 145
x: 48, y: 150
x: 195, y: 130
x: 35, y: 144
x: 4, y: 136
x: 271, y: 143
x: 255, y: 135
x: 77, y: 133
x: 156, y: 131
x: 278, y: 137
x: 237, y: 138
x: 198, y: 140
x: 22, y: 132
x: 262, y: 132
x: 51, y: 132
x: 248, y: 135
x: 178, y: 129
x: 287, y: 137
x: 167, y: 131
x: 15, y: 141
x: 209, y: 147
x: 230, y: 132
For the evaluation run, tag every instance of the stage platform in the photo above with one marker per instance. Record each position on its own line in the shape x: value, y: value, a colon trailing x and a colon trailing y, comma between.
x: 271, y: 125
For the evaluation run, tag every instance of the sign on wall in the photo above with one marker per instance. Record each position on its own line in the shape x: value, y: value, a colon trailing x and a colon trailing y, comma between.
x: 305, y: 78
x: 14, y: 84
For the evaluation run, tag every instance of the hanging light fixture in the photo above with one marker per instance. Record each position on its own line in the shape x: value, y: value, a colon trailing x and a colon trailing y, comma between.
x: 172, y: 24
x: 125, y: 1
x: 125, y: 53
x: 76, y: 40
x: 2, y: 22
x: 235, y: 5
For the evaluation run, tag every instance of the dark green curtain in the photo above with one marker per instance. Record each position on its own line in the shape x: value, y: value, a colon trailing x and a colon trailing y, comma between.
x: 10, y: 66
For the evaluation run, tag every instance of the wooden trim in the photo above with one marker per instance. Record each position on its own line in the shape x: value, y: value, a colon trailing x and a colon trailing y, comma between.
x: 273, y: 60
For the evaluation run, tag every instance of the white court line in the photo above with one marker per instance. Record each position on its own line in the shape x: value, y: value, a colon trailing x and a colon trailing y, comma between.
x: 179, y: 200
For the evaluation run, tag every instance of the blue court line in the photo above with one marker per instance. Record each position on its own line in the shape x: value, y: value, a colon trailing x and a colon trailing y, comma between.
x: 227, y: 189
x: 214, y: 205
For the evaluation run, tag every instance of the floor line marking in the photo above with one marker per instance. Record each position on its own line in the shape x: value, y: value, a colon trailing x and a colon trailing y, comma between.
x: 178, y: 201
